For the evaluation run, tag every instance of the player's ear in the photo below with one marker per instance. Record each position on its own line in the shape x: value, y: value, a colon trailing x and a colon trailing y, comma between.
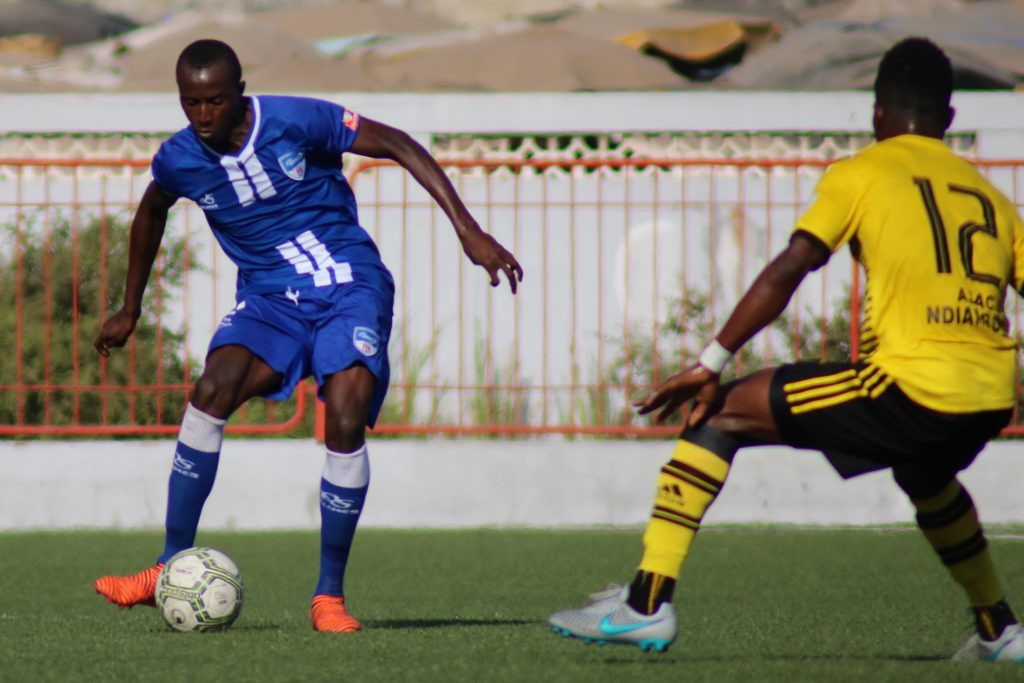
x: 950, y: 113
x: 241, y: 88
x: 877, y: 116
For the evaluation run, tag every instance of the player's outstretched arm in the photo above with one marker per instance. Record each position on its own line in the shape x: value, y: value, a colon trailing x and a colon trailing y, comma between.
x: 379, y: 141
x: 766, y: 299
x: 143, y: 244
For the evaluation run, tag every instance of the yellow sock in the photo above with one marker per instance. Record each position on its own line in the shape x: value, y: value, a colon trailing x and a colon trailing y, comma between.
x: 686, y: 487
x: 949, y: 521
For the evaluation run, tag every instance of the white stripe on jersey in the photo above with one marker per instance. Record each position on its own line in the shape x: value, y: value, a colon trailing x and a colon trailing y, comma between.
x: 325, y: 263
x: 264, y: 186
x: 238, y: 180
x: 254, y: 173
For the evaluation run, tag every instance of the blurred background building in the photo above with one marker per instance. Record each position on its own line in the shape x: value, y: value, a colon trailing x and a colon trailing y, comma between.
x: 503, y: 45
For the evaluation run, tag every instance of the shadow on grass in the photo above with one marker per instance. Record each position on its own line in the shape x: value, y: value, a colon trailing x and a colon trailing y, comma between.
x: 445, y: 623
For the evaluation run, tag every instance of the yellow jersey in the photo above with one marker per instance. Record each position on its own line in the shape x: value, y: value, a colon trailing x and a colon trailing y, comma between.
x: 939, y: 245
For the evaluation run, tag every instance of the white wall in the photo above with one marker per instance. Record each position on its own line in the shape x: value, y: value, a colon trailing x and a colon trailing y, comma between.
x: 272, y: 484
x: 996, y: 112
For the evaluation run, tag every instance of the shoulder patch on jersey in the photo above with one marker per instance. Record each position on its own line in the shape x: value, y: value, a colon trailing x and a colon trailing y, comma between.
x: 350, y: 119
x: 293, y: 164
x: 365, y: 340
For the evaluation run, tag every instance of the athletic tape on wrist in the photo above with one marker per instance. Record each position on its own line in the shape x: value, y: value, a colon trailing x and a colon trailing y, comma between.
x: 714, y: 357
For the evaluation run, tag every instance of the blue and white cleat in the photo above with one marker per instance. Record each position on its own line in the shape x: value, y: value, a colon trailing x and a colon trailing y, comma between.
x: 609, y: 619
x: 1008, y: 647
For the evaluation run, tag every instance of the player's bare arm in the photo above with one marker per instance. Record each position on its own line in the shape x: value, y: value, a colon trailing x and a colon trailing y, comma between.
x: 379, y: 141
x: 144, y: 242
x: 766, y: 299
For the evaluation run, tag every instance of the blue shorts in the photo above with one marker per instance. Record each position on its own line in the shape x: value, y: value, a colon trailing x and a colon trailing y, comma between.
x: 315, y: 332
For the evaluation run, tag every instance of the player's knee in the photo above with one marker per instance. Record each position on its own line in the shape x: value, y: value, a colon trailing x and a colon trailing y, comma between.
x: 920, y: 483
x: 346, y: 431
x: 214, y: 395
x: 711, y: 439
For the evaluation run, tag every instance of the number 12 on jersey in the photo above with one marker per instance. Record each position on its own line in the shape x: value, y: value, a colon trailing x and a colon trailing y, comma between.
x: 966, y: 232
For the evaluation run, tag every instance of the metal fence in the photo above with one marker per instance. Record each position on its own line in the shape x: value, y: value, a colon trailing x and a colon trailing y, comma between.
x: 630, y: 267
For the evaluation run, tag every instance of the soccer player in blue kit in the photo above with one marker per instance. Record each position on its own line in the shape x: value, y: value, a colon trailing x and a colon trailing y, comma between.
x: 314, y: 297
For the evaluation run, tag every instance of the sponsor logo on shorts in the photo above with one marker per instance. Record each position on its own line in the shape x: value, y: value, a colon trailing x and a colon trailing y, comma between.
x: 184, y: 467
x: 227, y: 320
x: 336, y: 503
x: 293, y: 164
x: 365, y: 340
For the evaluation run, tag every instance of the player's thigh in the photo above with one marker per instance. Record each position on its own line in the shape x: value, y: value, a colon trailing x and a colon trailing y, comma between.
x: 233, y: 374
x: 350, y: 348
x: 348, y: 395
x: 262, y: 348
x: 745, y: 409
x: 242, y: 368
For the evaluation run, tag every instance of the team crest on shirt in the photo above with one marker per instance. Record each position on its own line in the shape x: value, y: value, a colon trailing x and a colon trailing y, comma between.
x: 207, y: 201
x: 293, y: 164
x: 365, y: 340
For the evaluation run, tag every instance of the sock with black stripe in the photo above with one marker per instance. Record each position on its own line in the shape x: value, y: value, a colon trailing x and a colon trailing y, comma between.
x: 687, y: 486
x: 949, y: 521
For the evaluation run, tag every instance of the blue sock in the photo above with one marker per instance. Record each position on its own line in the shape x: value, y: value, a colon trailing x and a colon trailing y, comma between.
x: 343, y: 487
x: 195, y: 469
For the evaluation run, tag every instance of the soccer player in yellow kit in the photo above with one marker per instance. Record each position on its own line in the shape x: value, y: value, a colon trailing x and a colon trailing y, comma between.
x: 940, y: 245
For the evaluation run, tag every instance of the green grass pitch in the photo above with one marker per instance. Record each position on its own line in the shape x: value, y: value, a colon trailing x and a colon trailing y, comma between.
x: 756, y: 604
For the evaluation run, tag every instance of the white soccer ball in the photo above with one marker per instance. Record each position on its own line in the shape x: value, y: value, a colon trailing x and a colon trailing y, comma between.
x: 199, y: 589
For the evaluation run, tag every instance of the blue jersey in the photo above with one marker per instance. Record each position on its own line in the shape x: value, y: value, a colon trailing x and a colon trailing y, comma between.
x: 280, y: 208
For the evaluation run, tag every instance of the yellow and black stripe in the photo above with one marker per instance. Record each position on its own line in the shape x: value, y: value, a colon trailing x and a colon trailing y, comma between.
x: 949, y: 521
x: 953, y: 528
x: 691, y: 475
x: 687, y: 485
x: 675, y: 517
x: 868, y: 336
x: 816, y: 393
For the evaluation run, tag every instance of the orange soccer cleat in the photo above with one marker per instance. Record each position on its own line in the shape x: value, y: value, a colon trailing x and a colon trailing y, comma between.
x: 329, y: 616
x: 129, y: 591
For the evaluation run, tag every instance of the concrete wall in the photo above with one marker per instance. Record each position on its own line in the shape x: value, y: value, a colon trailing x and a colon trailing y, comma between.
x: 997, y: 116
x: 272, y: 484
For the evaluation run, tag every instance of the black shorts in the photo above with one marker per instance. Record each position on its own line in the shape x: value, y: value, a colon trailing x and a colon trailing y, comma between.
x: 862, y: 421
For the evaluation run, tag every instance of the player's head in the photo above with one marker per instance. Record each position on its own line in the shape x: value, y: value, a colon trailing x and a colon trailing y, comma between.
x: 210, y: 88
x: 913, y: 89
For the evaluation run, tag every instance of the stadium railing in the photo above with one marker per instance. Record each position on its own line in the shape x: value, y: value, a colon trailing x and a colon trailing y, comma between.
x: 630, y: 265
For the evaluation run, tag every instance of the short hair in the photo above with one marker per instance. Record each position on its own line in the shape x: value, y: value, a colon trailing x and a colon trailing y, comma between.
x: 915, y: 75
x: 206, y: 53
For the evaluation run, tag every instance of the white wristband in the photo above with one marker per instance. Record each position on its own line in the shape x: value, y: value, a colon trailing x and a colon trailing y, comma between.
x: 714, y: 357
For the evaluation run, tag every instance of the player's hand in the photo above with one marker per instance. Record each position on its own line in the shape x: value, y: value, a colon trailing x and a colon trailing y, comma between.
x: 485, y: 251
x: 115, y: 332
x: 695, y: 382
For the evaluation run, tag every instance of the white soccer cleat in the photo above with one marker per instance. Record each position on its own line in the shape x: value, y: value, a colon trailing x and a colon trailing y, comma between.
x: 609, y: 619
x: 1008, y: 647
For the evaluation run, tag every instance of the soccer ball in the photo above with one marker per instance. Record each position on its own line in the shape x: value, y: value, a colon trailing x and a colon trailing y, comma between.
x: 199, y: 589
